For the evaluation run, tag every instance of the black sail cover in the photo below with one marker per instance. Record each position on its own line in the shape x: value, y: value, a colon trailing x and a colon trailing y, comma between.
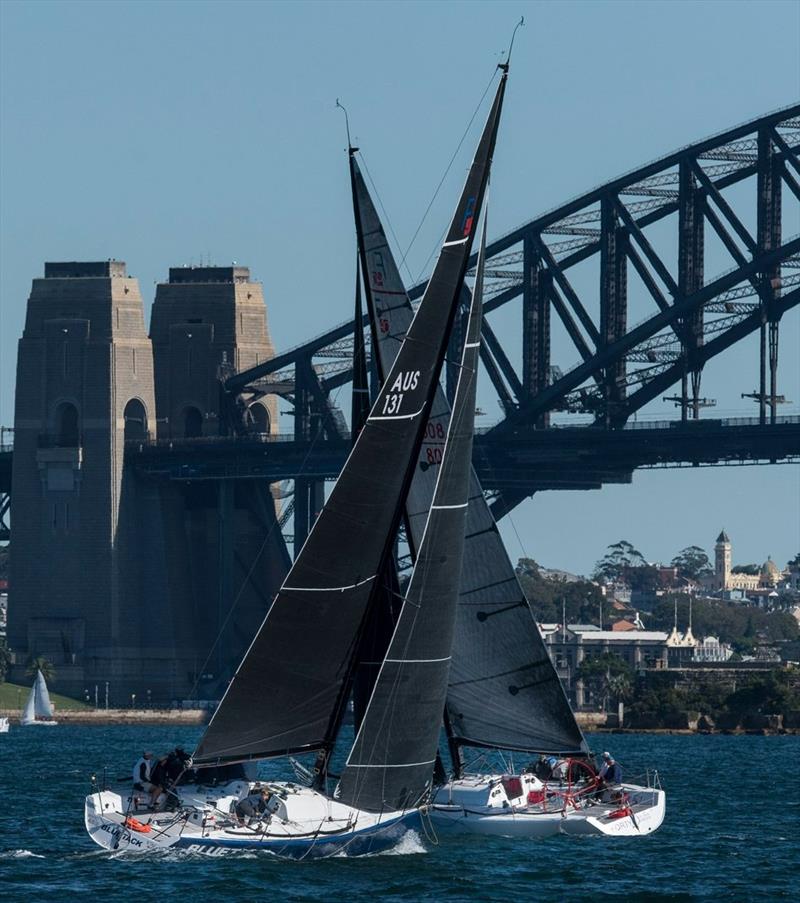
x: 287, y: 694
x: 391, y: 763
x: 504, y: 691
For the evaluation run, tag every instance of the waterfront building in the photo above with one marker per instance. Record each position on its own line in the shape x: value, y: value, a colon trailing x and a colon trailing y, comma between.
x: 726, y: 577
x: 572, y: 644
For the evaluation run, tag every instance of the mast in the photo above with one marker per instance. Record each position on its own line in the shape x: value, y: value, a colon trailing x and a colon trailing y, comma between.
x: 306, y: 647
x: 360, y: 402
x: 391, y: 762
x: 505, y: 692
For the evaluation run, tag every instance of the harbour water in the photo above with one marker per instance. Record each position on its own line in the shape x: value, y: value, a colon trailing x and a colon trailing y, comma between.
x: 731, y: 833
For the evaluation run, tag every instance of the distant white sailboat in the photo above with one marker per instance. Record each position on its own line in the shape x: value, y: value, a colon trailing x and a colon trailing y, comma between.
x: 3, y: 725
x: 38, y: 709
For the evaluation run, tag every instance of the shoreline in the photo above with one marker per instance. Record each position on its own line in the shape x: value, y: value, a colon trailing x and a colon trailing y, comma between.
x: 121, y: 716
x: 590, y: 722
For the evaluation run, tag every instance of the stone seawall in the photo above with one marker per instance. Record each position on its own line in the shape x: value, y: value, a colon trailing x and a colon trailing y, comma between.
x: 122, y: 716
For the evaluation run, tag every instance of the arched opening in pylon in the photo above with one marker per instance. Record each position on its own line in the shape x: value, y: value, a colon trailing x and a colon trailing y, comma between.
x: 135, y: 415
x: 67, y: 429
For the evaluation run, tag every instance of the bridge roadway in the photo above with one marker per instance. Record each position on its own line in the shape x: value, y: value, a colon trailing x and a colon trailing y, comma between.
x: 530, y: 460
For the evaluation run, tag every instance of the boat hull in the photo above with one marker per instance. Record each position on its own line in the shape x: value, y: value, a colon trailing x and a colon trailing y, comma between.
x: 111, y: 825
x: 634, y: 811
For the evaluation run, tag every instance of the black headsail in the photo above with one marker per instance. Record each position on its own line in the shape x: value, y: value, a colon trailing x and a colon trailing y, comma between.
x: 391, y: 763
x: 289, y: 692
x: 504, y: 691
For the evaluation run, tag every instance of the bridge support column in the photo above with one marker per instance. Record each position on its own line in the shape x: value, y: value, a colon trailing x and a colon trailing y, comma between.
x: 536, y: 282
x: 768, y: 217
x: 225, y: 521
x: 613, y: 303
x: 309, y: 493
x: 691, y: 265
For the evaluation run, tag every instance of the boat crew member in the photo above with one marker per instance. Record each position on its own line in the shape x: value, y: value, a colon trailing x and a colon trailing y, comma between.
x: 142, y: 777
x: 253, y: 805
x: 541, y: 768
x: 610, y: 772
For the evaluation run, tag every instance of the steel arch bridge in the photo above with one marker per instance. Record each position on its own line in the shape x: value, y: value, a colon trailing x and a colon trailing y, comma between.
x: 705, y: 194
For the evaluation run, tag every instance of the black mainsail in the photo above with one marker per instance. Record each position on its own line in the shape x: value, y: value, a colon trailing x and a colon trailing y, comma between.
x: 504, y: 690
x: 289, y: 693
x: 391, y: 763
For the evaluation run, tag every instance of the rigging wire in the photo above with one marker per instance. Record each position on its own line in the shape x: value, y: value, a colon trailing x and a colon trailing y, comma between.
x: 442, y: 180
x: 385, y: 212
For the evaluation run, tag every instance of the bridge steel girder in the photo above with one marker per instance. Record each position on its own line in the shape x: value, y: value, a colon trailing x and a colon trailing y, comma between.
x: 531, y: 460
x: 610, y: 223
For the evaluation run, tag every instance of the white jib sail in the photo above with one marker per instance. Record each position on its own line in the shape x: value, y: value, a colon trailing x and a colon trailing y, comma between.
x: 42, y: 706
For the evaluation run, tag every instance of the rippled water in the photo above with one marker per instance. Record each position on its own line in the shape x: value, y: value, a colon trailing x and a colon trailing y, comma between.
x: 731, y: 832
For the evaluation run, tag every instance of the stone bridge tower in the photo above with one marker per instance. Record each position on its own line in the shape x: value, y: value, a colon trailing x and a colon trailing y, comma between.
x: 84, y: 385
x: 227, y: 554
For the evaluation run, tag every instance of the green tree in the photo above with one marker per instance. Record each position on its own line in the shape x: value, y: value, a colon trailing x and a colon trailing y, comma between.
x: 732, y: 622
x: 607, y: 677
x: 692, y: 562
x: 549, y: 599
x: 5, y: 660
x: 40, y: 663
x: 620, y: 557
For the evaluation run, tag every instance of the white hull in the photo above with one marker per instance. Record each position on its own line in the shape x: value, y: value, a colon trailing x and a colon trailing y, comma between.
x: 480, y: 805
x: 302, y: 824
x: 4, y: 725
x: 38, y: 723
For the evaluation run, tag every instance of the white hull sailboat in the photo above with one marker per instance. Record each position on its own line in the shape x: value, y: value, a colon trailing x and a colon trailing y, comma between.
x: 300, y: 823
x: 292, y: 689
x: 4, y: 726
x: 504, y: 693
x: 38, y: 710
x: 524, y: 806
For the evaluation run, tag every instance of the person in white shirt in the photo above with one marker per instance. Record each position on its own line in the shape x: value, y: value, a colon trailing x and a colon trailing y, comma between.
x: 141, y: 775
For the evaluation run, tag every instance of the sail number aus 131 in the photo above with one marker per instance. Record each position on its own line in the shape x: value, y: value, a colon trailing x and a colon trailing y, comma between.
x: 403, y: 382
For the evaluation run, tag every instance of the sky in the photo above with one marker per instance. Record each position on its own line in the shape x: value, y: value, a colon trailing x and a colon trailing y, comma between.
x: 165, y: 133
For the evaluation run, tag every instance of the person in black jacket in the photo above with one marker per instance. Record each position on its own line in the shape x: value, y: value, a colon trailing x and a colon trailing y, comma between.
x: 253, y: 805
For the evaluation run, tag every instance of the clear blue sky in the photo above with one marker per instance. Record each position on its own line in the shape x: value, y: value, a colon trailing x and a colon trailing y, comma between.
x: 166, y: 133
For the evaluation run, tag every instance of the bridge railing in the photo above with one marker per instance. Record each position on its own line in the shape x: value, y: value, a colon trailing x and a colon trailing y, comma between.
x: 271, y: 438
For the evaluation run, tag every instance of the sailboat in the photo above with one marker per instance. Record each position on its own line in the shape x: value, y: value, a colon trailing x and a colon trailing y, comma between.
x: 38, y: 710
x: 504, y: 692
x: 290, y: 692
x: 4, y: 725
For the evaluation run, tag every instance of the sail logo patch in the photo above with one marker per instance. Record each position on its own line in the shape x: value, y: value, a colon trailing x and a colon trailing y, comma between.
x: 469, y: 216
